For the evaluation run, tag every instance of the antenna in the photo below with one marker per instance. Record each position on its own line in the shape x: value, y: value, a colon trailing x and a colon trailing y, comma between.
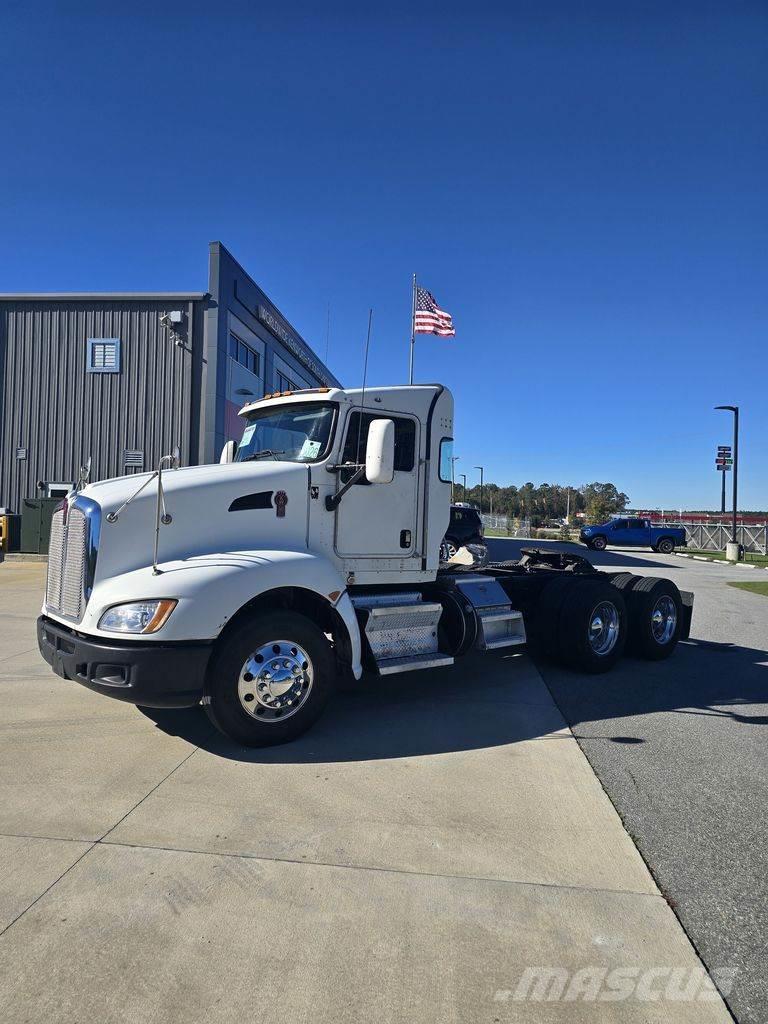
x: 332, y: 500
x: 327, y: 333
x: 365, y: 377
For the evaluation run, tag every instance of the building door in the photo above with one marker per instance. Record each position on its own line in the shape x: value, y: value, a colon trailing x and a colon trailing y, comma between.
x: 380, y: 520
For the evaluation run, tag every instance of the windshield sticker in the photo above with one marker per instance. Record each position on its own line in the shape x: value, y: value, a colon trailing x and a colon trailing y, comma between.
x: 248, y: 434
x: 310, y: 449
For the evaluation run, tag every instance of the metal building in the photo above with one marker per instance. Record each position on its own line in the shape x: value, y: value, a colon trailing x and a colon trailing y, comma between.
x: 123, y: 378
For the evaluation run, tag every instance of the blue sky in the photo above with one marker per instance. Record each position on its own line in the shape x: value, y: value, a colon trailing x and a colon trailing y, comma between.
x: 583, y: 186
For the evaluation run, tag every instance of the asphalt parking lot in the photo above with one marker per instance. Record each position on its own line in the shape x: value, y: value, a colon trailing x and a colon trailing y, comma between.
x: 681, y: 748
x: 408, y: 859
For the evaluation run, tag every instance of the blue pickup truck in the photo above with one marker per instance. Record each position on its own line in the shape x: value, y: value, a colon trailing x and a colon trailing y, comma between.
x: 626, y: 533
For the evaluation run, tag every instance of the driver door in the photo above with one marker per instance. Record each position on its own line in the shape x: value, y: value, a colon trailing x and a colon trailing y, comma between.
x: 380, y: 520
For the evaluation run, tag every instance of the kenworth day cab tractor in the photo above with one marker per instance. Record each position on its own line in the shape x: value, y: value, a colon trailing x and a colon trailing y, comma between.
x: 312, y: 555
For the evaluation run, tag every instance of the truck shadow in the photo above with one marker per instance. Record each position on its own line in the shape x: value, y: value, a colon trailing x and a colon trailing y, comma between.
x: 702, y: 678
x: 506, y: 548
x: 483, y: 701
x: 498, y: 700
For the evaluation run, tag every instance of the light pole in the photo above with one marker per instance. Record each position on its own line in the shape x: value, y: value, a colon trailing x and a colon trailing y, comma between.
x: 454, y: 460
x: 735, y: 410
x: 464, y: 486
x: 481, y: 487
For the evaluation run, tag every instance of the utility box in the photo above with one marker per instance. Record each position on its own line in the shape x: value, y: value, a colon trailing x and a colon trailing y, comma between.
x: 36, y: 516
x: 10, y: 532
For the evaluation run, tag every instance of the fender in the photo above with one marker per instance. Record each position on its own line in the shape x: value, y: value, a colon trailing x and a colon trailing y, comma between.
x: 212, y: 588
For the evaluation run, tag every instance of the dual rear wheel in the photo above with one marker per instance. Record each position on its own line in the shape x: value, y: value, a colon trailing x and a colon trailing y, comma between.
x: 587, y: 624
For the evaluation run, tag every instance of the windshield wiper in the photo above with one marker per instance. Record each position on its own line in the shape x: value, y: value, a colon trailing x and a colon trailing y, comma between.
x: 261, y: 454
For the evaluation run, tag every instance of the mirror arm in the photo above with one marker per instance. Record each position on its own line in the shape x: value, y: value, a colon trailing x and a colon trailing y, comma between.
x: 332, y: 500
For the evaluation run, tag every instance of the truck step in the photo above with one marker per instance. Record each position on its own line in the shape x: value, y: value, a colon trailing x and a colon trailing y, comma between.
x: 498, y: 623
x: 499, y: 627
x: 389, y: 666
x: 403, y: 635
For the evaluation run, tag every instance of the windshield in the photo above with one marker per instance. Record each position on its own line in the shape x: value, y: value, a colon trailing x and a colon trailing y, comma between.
x: 291, y: 433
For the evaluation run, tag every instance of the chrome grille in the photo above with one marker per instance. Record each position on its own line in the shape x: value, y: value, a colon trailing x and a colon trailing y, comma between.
x: 67, y: 563
x: 55, y: 558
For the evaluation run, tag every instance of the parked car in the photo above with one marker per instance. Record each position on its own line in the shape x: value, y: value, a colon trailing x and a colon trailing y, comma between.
x: 465, y: 527
x: 627, y: 533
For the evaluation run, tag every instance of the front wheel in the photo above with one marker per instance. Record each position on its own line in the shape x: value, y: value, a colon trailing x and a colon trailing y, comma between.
x: 447, y: 550
x: 598, y: 544
x: 270, y: 679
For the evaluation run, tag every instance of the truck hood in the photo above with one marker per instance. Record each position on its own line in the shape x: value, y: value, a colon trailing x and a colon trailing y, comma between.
x: 216, y: 508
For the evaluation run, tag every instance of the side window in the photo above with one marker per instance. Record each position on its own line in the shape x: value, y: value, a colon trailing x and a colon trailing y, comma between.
x: 405, y: 440
x: 446, y: 460
x: 620, y: 524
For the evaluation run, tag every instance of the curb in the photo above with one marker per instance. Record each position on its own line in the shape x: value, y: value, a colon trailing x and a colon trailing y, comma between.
x: 17, y: 556
x: 722, y: 561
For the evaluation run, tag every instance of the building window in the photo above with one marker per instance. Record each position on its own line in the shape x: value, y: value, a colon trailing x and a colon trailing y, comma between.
x: 244, y: 355
x: 284, y: 383
x: 103, y: 355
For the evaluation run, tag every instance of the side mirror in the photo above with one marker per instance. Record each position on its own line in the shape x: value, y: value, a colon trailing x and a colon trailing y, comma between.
x: 380, y: 452
x: 228, y: 452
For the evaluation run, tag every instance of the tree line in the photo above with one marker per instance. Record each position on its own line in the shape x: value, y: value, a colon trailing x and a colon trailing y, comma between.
x: 547, y: 502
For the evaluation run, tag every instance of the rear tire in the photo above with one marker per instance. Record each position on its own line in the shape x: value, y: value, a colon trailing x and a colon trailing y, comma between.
x: 270, y: 679
x: 655, y: 618
x: 665, y: 546
x: 593, y: 626
x: 623, y: 581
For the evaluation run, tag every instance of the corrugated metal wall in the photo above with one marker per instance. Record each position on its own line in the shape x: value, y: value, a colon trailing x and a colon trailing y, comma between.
x: 62, y: 414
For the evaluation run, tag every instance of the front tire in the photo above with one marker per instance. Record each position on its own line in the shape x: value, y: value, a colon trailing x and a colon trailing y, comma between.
x: 599, y: 544
x: 447, y: 550
x: 270, y: 679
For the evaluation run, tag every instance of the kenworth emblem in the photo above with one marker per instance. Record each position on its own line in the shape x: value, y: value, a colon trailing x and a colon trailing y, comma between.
x: 281, y: 500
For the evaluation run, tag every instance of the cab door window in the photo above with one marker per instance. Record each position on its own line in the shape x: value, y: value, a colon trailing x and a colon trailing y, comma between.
x: 357, y: 439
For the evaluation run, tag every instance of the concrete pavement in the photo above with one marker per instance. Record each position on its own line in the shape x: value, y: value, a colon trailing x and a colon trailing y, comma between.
x: 680, y: 747
x: 429, y: 841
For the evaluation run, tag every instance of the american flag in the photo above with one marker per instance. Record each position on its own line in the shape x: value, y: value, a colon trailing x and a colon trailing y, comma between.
x: 429, y: 318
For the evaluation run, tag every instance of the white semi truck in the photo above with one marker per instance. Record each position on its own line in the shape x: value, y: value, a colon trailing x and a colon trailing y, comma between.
x: 310, y: 556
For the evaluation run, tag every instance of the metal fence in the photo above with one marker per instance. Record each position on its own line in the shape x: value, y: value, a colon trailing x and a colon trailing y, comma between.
x: 714, y: 536
x: 520, y: 528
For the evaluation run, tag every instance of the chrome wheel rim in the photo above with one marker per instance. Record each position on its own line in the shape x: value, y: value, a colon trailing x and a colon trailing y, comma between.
x: 449, y: 550
x: 603, y: 630
x: 275, y: 681
x: 664, y: 620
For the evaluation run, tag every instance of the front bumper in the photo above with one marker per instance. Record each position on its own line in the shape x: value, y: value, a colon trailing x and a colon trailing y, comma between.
x: 155, y: 675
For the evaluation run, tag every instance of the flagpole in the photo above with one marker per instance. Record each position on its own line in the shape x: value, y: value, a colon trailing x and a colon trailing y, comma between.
x: 413, y: 331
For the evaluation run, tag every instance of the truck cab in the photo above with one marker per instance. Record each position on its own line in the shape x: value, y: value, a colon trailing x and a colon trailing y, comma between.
x: 309, y: 554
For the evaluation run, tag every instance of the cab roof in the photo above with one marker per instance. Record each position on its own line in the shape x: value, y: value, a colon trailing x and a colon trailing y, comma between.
x: 386, y: 396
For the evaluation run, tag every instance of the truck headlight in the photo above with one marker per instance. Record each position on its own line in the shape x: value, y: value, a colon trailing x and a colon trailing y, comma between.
x: 137, y: 617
